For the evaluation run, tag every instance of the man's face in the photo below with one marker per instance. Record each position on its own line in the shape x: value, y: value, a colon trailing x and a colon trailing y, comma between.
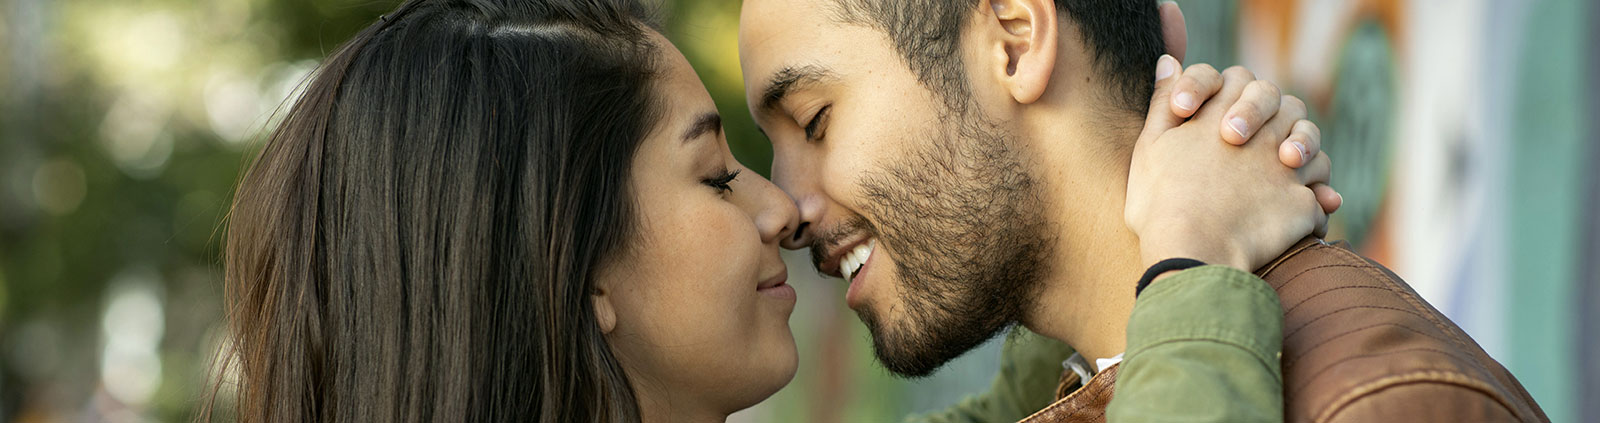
x: 930, y: 210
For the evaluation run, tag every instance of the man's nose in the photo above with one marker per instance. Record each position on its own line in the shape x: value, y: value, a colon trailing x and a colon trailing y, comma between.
x: 810, y: 208
x: 797, y: 182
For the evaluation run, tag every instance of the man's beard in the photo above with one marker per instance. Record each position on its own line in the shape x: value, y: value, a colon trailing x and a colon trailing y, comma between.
x: 966, y: 223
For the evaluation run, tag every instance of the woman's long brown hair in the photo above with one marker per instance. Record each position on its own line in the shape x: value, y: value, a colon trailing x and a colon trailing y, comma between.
x: 416, y: 240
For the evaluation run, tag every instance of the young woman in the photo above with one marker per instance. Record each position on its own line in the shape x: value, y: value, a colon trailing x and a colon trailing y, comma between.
x: 506, y: 211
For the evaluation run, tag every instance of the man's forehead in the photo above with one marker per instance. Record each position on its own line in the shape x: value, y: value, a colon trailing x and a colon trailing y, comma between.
x: 767, y: 25
x: 780, y: 11
x: 776, y: 37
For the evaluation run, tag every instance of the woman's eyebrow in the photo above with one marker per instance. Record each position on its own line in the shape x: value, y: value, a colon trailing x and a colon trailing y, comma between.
x: 706, y: 123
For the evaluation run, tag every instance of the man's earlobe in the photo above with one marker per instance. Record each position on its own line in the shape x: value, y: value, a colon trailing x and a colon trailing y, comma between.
x: 604, y: 314
x: 1026, y: 46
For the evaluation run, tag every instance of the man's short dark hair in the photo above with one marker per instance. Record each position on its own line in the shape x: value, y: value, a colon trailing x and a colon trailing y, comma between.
x: 1123, y: 35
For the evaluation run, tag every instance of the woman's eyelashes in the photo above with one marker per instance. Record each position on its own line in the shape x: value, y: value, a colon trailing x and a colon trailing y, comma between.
x: 814, y: 128
x: 722, y: 181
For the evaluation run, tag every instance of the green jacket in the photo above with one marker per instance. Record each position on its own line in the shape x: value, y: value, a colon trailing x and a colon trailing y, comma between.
x: 1202, y: 346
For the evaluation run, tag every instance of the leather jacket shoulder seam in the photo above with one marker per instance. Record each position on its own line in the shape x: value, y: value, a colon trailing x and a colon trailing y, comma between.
x: 1393, y: 286
x: 1445, y: 378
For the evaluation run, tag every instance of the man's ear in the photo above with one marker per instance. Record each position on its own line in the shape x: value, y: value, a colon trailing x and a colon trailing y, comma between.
x: 1174, y: 31
x: 1024, y: 45
x: 604, y: 313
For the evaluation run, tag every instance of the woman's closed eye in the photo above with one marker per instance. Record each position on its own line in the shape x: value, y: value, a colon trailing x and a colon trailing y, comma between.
x: 721, y: 182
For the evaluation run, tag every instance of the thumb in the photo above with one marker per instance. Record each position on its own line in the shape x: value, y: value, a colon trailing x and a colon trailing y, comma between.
x: 1160, y: 118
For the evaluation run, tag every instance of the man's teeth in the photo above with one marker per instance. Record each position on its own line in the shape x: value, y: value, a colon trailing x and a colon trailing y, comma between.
x: 852, y: 261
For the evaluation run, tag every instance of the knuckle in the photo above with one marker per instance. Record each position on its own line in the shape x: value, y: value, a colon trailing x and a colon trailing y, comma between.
x: 1203, y: 74
x: 1268, y: 89
x: 1314, y: 130
x: 1238, y: 72
x: 1187, y: 82
x: 1294, y: 101
x: 1293, y: 104
x: 1246, y: 110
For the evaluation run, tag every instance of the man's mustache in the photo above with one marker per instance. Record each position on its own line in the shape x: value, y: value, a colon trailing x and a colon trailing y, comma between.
x: 830, y: 238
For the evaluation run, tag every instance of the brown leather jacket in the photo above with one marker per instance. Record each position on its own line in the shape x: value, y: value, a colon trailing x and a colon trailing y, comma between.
x: 1358, y: 346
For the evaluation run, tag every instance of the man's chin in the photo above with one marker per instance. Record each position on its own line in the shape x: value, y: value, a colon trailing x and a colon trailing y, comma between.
x: 915, y: 352
x: 905, y: 367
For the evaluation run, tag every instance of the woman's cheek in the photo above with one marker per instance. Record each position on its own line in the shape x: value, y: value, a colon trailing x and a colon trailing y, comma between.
x: 714, y: 281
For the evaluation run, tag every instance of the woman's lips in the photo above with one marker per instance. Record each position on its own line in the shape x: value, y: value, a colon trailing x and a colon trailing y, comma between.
x: 778, y: 287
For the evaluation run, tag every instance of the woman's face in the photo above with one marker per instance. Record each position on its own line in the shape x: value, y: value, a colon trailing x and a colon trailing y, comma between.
x: 698, y: 309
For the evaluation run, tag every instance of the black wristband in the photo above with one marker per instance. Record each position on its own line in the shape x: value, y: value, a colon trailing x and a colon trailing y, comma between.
x: 1164, y: 266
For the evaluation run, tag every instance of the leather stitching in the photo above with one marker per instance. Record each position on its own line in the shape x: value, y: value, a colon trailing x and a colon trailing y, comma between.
x: 1303, y: 272
x: 1424, y: 376
x: 1290, y: 310
x: 1330, y: 313
x: 1405, y: 295
x: 1330, y: 366
x: 1329, y: 339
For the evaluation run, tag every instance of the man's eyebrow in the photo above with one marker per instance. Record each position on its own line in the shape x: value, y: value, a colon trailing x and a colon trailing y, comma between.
x: 706, y: 123
x: 789, y: 78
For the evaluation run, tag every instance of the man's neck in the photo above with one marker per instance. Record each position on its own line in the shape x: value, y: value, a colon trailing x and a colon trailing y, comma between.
x: 1087, y: 295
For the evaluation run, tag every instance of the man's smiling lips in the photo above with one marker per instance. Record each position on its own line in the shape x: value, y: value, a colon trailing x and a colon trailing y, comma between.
x: 835, y: 253
x: 854, y: 262
x: 849, y: 260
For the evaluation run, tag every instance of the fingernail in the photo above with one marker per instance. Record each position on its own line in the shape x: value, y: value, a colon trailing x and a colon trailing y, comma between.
x: 1339, y: 197
x: 1240, y: 128
x: 1185, y: 101
x: 1165, y: 67
x: 1302, y: 147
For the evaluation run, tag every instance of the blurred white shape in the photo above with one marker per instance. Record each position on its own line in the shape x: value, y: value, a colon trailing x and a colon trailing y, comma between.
x: 134, y: 135
x: 233, y: 105
x: 59, y: 186
x: 131, y: 378
x: 284, y: 84
x: 241, y: 109
x: 145, y: 44
x: 132, y: 327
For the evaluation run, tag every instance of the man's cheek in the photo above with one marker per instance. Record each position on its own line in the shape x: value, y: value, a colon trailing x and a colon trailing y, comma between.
x: 843, y: 184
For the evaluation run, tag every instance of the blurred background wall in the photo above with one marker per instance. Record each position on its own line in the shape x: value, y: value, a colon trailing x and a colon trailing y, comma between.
x: 1460, y: 130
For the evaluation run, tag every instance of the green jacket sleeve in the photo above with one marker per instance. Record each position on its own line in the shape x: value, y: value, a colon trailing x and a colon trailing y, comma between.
x: 1030, y: 369
x: 1203, y: 346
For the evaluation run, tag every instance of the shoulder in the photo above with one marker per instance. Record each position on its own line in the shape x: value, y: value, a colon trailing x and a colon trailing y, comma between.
x: 1356, y: 335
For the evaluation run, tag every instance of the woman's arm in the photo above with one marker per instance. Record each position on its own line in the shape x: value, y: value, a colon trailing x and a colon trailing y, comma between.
x: 1202, y: 346
x: 1203, y: 343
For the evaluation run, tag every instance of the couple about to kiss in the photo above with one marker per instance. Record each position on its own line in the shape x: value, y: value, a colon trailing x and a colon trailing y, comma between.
x: 525, y: 210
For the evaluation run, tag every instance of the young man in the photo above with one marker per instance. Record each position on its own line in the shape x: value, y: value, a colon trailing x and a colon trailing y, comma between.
x: 965, y: 165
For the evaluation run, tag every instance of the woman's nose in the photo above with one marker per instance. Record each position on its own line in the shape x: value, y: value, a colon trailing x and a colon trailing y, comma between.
x: 777, y: 217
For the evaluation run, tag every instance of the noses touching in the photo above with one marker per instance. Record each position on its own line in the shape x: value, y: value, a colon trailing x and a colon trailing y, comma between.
x: 810, y: 203
x: 774, y: 213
